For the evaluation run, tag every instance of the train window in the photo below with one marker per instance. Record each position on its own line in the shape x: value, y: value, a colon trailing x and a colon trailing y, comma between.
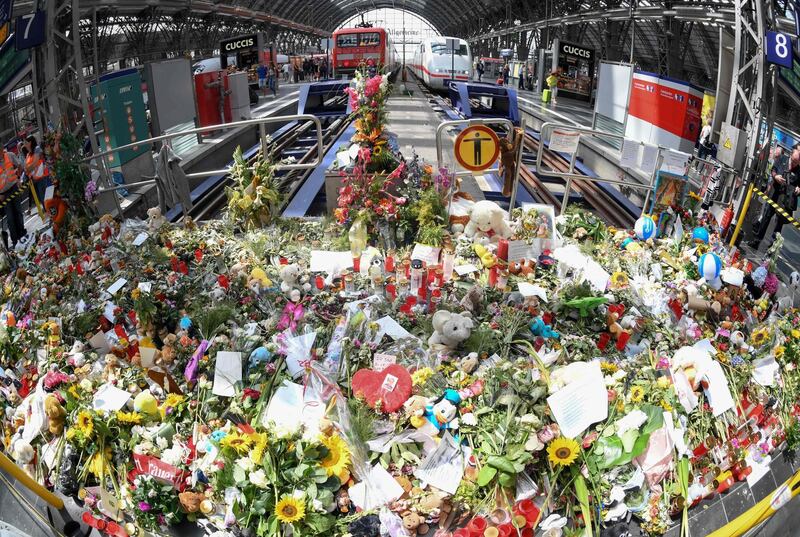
x: 441, y: 48
x: 367, y: 39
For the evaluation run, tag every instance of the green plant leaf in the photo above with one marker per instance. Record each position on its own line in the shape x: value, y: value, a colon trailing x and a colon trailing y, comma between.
x: 486, y: 475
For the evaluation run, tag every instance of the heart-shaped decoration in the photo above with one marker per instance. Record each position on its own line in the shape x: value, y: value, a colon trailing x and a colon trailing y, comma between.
x: 391, y: 387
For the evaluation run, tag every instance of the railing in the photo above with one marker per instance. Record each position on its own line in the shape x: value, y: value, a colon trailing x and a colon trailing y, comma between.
x: 261, y: 122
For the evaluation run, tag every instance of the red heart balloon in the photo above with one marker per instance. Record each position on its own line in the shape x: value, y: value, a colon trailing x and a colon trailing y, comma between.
x: 392, y: 387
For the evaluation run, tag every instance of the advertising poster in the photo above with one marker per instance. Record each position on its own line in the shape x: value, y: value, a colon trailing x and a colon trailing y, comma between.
x: 122, y: 102
x: 575, y: 66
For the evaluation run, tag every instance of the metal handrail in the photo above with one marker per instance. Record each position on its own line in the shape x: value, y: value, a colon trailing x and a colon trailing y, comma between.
x: 569, y: 176
x: 261, y: 122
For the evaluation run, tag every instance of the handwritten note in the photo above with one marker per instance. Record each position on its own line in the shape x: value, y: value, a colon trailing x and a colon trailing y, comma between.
x: 528, y: 289
x: 629, y: 157
x: 444, y: 467
x: 580, y: 403
x: 463, y: 270
x: 382, y: 361
x: 649, y: 159
x: 109, y: 398
x: 427, y: 254
x: 519, y: 250
x: 326, y: 261
x: 140, y: 238
x: 227, y: 373
x: 392, y: 328
x: 116, y: 286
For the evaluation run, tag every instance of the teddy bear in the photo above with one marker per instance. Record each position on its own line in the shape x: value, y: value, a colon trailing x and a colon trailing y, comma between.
x: 191, y: 501
x: 508, y: 160
x: 473, y: 299
x: 487, y: 223
x: 55, y: 414
x: 293, y: 277
x: 111, y: 368
x: 469, y: 363
x: 168, y: 353
x: 414, y: 523
x: 155, y: 220
x: 75, y: 357
x: 415, y: 410
x: 450, y: 329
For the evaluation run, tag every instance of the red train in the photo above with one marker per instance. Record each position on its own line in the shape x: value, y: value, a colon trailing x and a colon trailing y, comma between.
x: 351, y: 46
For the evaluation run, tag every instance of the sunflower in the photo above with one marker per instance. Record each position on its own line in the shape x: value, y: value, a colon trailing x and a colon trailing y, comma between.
x: 260, y: 444
x: 796, y: 333
x: 779, y: 350
x: 84, y: 423
x: 100, y: 463
x: 238, y: 442
x: 335, y: 463
x: 133, y: 418
x: 758, y: 337
x: 666, y: 406
x: 619, y: 280
x: 290, y: 509
x: 563, y: 451
x: 637, y: 394
x: 173, y: 400
x: 608, y: 367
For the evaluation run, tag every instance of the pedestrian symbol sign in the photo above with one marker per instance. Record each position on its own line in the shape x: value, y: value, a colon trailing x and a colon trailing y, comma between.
x: 477, y: 148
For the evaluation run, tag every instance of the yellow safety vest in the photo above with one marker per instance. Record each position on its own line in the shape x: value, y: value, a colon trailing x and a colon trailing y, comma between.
x: 8, y: 173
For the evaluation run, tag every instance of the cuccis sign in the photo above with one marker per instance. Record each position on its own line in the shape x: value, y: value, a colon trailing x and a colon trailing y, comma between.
x: 576, y: 51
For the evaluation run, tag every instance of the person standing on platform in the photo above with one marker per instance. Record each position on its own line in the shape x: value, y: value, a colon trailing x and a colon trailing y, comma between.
x: 285, y: 71
x: 479, y: 69
x: 552, y: 83
x: 9, y: 179
x: 506, y: 73
x: 522, y: 77
x: 261, y: 70
x: 36, y: 168
x: 323, y: 73
x: 704, y: 149
x: 784, y: 190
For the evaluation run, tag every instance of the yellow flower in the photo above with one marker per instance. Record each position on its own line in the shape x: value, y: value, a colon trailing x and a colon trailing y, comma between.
x: 133, y: 418
x: 620, y: 405
x: 663, y: 382
x: 290, y: 510
x: 71, y: 432
x: 173, y: 400
x: 758, y: 337
x: 335, y: 463
x: 73, y: 391
x: 779, y: 350
x: 619, y: 280
x: 136, y: 293
x: 796, y: 333
x: 84, y: 423
x: 421, y: 376
x: 562, y: 451
x: 608, y: 367
x: 237, y: 442
x: 260, y: 444
x: 666, y: 406
x: 100, y: 462
x: 637, y: 394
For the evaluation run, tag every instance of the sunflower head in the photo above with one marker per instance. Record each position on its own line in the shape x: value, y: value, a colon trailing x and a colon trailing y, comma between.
x: 289, y: 509
x: 238, y: 442
x: 259, y: 445
x: 338, y: 458
x: 637, y: 394
x: 562, y: 451
x: 619, y: 280
x: 132, y: 418
x: 759, y: 337
x: 84, y: 423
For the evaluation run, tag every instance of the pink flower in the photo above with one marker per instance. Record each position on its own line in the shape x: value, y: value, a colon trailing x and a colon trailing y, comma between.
x: 372, y: 86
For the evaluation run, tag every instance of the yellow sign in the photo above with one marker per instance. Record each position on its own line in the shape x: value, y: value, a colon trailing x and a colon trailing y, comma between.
x: 477, y: 148
x: 727, y: 144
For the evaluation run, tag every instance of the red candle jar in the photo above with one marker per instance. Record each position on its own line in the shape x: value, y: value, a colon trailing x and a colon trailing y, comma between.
x: 462, y: 532
x: 390, y: 261
x: 506, y: 530
x: 502, y: 249
x: 357, y: 264
x: 493, y: 276
x: 477, y: 526
x: 529, y: 510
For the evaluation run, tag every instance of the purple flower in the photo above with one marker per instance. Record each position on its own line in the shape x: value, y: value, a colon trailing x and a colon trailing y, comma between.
x: 144, y: 506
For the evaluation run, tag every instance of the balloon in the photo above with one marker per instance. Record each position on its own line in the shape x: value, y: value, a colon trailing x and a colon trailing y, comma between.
x: 645, y: 228
x: 709, y: 266
x: 700, y: 234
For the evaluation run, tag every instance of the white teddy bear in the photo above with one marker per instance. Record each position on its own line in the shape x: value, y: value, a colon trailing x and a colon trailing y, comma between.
x: 155, y: 219
x: 293, y: 277
x: 487, y: 223
x: 450, y: 329
x: 76, y: 358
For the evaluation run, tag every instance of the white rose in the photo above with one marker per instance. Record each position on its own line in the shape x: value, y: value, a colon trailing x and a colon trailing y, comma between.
x: 259, y: 479
x: 245, y: 463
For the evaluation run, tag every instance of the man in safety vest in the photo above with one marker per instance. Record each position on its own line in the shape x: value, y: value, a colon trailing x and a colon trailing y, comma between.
x: 9, y: 179
x: 36, y: 168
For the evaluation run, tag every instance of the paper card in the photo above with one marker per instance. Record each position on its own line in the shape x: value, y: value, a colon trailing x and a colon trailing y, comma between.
x: 444, y: 467
x: 675, y: 162
x: 392, y: 328
x: 145, y: 287
x: 140, y: 238
x: 764, y: 371
x: 649, y: 159
x: 325, y: 261
x: 100, y: 343
x: 427, y: 254
x: 343, y: 159
x: 108, y: 311
x: 519, y: 250
x: 164, y: 380
x: 528, y: 289
x: 109, y: 505
x: 227, y: 373
x: 109, y: 398
x: 116, y: 286
x: 382, y: 361
x: 462, y: 270
x: 581, y: 403
x: 298, y: 349
x: 80, y: 307
x: 49, y: 192
x: 292, y: 406
x: 564, y: 141
x: 718, y: 393
x: 353, y: 151
x: 377, y: 489
x: 629, y: 157
x: 49, y: 452
x: 596, y: 275
x: 148, y: 356
x: 760, y: 469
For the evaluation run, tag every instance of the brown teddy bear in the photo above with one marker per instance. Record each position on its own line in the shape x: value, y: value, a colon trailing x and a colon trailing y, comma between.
x: 414, y: 523
x: 191, y: 501
x: 55, y: 414
x: 168, y: 353
x: 508, y: 160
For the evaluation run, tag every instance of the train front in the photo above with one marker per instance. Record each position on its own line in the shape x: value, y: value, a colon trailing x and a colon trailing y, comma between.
x: 448, y: 59
x: 354, y: 47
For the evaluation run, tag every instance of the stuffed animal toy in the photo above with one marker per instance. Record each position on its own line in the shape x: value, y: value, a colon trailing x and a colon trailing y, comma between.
x: 450, y: 329
x: 473, y: 300
x: 469, y: 363
x: 55, y: 414
x: 487, y: 222
x: 293, y: 277
x: 415, y: 410
x: 111, y: 369
x: 155, y: 220
x: 414, y: 523
x: 508, y: 160
x: 540, y: 329
x: 76, y: 358
x: 168, y: 353
x: 191, y: 501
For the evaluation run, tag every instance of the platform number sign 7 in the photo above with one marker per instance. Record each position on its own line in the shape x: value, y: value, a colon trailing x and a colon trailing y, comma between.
x: 779, y: 49
x: 30, y: 30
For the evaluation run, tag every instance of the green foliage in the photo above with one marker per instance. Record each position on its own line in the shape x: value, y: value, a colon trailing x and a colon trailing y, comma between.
x: 254, y: 198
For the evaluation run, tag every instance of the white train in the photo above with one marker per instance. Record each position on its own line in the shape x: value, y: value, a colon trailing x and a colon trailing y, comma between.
x: 436, y: 67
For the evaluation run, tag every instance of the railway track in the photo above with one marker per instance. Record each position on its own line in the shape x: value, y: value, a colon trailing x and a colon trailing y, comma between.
x: 298, y: 142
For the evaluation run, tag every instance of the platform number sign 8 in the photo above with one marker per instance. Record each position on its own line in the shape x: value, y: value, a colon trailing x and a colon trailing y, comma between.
x: 30, y: 30
x: 779, y: 49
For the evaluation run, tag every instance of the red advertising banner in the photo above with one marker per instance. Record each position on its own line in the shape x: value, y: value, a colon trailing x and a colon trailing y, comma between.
x: 666, y: 104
